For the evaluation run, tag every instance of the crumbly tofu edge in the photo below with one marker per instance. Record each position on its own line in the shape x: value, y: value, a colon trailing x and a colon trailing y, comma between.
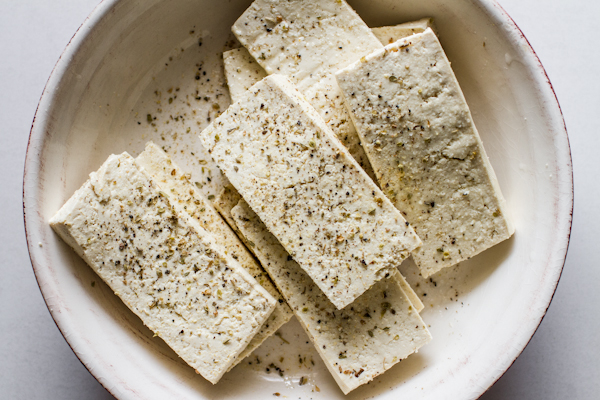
x: 224, y: 203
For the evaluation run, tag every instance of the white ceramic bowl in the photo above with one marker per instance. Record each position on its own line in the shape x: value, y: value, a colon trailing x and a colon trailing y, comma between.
x: 118, y: 69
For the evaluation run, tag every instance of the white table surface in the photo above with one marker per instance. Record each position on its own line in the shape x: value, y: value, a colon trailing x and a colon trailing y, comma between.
x: 561, y: 361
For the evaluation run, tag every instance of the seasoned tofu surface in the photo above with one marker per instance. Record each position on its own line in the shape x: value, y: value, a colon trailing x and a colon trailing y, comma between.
x: 172, y: 180
x: 241, y: 71
x: 308, y: 41
x: 165, y: 267
x: 358, y: 343
x: 305, y: 40
x: 345, y: 150
x: 419, y: 135
x: 326, y: 212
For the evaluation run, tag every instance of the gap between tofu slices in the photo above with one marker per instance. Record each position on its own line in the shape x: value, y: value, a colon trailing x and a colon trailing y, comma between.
x: 164, y: 266
x: 312, y: 195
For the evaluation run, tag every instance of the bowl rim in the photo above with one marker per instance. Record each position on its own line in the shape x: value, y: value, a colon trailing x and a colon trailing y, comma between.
x: 491, y: 7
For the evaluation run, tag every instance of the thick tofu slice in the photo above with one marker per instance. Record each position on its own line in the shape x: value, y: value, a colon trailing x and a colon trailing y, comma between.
x: 312, y: 195
x: 165, y: 267
x: 418, y: 131
x: 357, y: 343
x: 308, y: 41
x: 171, y: 180
x: 229, y: 198
x: 391, y: 34
x: 241, y: 71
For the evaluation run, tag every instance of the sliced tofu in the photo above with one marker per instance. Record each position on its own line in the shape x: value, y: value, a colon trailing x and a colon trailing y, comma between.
x: 164, y: 266
x: 308, y: 41
x: 410, y: 293
x: 391, y: 34
x: 312, y: 195
x: 305, y: 40
x: 419, y: 134
x: 224, y: 202
x: 241, y: 71
x: 171, y: 180
x: 357, y: 343
x: 229, y: 198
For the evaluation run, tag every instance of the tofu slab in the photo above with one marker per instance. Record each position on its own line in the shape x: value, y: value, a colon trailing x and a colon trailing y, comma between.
x: 391, y: 34
x: 241, y: 71
x: 305, y: 40
x: 419, y: 134
x: 165, y: 267
x: 229, y: 198
x: 308, y: 41
x: 312, y: 195
x: 357, y: 343
x: 173, y: 181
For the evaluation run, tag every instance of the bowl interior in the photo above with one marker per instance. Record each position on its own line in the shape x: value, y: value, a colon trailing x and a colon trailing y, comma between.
x: 152, y: 70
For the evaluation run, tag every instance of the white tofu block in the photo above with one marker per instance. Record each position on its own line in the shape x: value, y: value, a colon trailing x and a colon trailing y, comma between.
x: 357, y: 343
x: 173, y: 181
x: 305, y: 40
x: 165, y: 267
x: 241, y: 71
x: 391, y: 34
x: 312, y: 195
x: 419, y: 134
x: 308, y: 41
x: 229, y: 198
